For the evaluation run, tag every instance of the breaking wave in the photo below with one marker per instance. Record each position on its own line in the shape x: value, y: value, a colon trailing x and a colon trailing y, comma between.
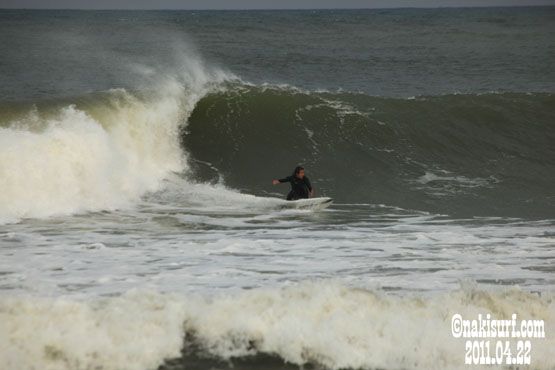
x: 467, y: 155
x: 96, y: 152
x: 319, y: 323
x: 486, y: 155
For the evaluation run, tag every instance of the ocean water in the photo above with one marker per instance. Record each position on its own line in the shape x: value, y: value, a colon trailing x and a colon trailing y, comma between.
x: 139, y: 227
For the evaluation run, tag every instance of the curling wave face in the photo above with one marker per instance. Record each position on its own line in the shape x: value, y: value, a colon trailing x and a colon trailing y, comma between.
x: 463, y: 155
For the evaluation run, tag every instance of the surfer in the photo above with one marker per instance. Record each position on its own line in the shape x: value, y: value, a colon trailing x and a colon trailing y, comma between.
x: 300, y: 185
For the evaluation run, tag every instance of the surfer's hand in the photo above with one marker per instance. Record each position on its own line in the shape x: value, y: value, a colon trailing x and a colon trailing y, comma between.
x: 275, y: 182
x: 312, y: 193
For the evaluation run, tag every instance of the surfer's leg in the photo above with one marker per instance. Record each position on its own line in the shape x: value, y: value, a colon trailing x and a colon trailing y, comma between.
x: 291, y: 195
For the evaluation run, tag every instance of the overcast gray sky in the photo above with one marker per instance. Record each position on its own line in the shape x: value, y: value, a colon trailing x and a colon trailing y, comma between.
x: 257, y: 4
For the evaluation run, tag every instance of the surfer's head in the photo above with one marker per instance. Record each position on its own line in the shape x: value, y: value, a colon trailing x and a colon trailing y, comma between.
x: 299, y: 172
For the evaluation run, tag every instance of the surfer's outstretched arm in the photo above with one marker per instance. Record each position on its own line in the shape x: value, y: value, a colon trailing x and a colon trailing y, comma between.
x: 287, y: 179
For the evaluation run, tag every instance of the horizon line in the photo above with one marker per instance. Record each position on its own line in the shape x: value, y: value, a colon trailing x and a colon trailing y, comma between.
x: 292, y: 9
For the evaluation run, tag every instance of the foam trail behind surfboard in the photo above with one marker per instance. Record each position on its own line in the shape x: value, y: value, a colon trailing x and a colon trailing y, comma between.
x: 314, y: 204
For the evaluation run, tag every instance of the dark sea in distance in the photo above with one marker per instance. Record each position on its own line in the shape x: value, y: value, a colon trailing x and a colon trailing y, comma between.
x: 139, y: 227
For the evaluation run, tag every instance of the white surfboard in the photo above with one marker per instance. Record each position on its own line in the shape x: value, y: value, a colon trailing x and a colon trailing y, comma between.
x: 314, y: 204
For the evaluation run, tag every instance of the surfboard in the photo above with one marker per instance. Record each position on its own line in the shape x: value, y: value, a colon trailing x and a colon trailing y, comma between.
x: 314, y: 204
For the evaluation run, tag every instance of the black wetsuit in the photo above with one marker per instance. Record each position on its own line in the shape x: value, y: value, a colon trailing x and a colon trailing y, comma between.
x: 300, y: 188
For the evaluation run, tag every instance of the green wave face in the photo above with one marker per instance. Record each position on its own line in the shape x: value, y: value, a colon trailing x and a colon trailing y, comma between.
x: 489, y: 154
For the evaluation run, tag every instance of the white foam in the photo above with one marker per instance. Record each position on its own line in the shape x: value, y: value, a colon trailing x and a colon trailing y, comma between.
x: 79, y: 163
x: 211, y: 197
x: 460, y: 180
x: 135, y: 331
x: 102, y: 156
x: 319, y: 322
